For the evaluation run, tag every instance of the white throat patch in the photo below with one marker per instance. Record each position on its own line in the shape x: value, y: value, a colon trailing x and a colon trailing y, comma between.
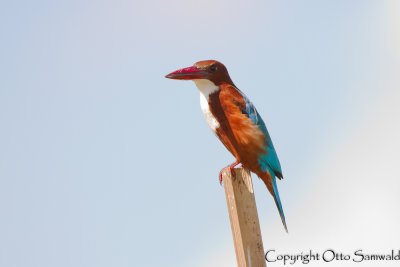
x: 206, y: 88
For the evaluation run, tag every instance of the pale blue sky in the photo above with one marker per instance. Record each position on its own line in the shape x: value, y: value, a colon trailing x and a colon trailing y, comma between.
x: 104, y: 162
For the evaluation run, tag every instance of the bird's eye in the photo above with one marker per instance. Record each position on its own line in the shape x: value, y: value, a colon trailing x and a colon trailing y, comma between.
x: 213, y: 68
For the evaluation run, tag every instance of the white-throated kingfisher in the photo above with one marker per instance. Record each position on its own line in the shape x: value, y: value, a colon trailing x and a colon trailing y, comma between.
x: 236, y: 122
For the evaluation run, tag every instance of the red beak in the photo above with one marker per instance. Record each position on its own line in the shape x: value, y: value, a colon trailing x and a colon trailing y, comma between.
x: 189, y: 73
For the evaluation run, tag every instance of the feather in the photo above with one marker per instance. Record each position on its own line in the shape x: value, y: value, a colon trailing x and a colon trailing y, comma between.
x: 269, y: 158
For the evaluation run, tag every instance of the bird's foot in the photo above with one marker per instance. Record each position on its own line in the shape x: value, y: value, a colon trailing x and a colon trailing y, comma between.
x: 231, y: 168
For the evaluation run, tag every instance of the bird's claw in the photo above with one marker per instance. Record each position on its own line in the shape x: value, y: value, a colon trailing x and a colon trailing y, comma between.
x: 220, y: 175
x: 231, y: 168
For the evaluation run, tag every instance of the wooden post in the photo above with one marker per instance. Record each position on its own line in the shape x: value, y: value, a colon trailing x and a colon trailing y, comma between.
x: 244, y: 218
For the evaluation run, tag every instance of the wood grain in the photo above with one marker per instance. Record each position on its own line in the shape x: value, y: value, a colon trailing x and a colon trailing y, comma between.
x: 244, y: 218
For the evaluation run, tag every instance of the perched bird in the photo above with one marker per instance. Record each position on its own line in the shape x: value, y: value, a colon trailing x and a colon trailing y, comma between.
x: 236, y: 122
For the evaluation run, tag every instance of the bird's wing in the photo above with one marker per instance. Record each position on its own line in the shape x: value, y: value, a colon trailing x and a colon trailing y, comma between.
x: 269, y: 159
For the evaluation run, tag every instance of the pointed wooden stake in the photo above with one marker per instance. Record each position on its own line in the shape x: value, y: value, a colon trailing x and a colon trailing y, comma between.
x: 244, y: 218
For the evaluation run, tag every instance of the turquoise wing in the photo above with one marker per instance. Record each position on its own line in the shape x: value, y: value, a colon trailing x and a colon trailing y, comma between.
x: 269, y: 160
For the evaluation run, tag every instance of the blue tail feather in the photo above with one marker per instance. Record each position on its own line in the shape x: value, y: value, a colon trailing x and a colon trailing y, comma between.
x: 277, y: 199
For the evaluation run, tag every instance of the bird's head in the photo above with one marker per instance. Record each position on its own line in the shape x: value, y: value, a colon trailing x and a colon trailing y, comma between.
x: 211, y: 70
